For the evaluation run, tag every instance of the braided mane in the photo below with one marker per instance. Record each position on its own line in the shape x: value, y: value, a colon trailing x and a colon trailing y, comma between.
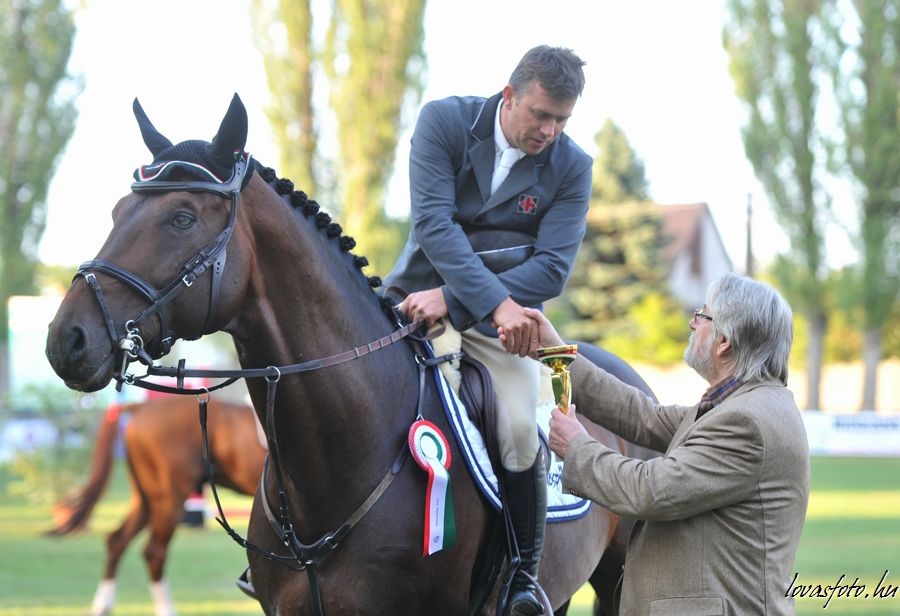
x: 310, y: 209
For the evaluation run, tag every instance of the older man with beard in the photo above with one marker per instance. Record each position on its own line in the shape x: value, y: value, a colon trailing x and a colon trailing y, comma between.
x: 723, y: 508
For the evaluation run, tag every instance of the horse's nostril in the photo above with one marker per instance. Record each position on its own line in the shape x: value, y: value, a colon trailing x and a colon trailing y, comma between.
x: 77, y: 340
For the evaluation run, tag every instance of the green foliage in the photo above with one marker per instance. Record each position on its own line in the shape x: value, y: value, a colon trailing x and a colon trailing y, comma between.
x: 284, y: 36
x: 617, y: 295
x: 37, y: 118
x: 374, y: 59
x: 890, y: 346
x: 54, y: 278
x: 371, y: 60
x: 771, y: 45
x: 863, y: 40
x: 770, y: 50
x: 619, y: 266
x: 785, y: 55
x: 655, y: 332
x: 843, y: 340
x: 618, y: 172
x: 865, y: 68
x: 45, y: 474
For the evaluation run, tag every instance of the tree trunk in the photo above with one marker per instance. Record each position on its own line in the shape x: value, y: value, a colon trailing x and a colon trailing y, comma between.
x: 4, y: 374
x: 814, y: 354
x: 871, y: 359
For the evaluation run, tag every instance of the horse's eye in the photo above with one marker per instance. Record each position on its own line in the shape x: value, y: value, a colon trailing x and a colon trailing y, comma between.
x: 183, y: 220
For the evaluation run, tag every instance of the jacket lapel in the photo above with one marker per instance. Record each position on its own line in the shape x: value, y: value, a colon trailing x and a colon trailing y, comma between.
x: 481, y: 155
x: 521, y: 176
x: 688, y: 424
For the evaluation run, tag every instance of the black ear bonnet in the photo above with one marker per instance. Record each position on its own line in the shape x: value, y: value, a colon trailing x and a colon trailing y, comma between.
x: 195, y: 159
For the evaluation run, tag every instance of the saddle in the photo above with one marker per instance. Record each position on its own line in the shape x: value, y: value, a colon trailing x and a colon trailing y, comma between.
x: 472, y: 382
x: 476, y: 392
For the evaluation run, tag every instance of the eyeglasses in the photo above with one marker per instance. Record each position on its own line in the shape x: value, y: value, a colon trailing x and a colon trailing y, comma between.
x: 699, y: 314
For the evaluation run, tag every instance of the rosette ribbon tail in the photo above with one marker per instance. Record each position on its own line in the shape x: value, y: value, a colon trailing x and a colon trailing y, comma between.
x: 431, y: 451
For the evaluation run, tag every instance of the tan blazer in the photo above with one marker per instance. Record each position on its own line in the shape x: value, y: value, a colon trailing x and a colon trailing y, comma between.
x: 723, y: 508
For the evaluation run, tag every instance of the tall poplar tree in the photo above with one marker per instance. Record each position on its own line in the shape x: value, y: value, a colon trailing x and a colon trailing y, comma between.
x: 283, y: 32
x: 371, y: 62
x: 866, y: 70
x: 771, y: 50
x: 374, y: 59
x: 37, y: 118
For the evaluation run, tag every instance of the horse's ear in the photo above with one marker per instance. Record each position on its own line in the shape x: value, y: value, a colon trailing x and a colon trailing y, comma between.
x: 152, y: 137
x: 232, y: 135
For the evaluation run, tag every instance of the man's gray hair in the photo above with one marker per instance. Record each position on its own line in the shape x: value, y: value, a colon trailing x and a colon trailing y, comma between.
x: 758, y: 323
x: 557, y: 69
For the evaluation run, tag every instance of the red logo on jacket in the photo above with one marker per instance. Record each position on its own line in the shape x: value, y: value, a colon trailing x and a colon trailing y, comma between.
x: 527, y: 204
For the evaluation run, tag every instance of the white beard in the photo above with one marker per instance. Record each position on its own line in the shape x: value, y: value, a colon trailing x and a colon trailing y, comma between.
x: 700, y: 357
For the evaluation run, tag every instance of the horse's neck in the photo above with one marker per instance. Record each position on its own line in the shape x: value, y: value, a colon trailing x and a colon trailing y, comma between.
x: 304, y: 300
x: 304, y: 303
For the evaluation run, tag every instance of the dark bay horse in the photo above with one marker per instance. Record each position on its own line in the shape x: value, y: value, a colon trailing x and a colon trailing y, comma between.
x: 210, y: 240
x: 163, y: 451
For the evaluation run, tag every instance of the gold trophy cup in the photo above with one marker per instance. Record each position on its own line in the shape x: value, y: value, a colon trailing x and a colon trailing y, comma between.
x: 558, y: 358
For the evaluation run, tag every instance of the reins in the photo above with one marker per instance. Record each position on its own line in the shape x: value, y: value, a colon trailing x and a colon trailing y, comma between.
x: 181, y: 373
x: 131, y: 346
x: 308, y: 556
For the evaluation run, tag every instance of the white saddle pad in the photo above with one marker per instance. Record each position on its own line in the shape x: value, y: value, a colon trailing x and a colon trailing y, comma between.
x: 560, y: 506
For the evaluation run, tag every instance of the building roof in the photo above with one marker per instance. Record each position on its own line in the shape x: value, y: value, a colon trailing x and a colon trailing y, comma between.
x: 681, y: 225
x: 688, y: 227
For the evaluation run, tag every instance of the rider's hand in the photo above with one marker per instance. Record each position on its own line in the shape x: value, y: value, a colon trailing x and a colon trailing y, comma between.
x: 518, y: 333
x: 543, y: 334
x: 546, y: 335
x: 428, y: 306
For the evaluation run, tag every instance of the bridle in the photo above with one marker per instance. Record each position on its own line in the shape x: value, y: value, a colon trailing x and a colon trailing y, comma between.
x: 129, y: 342
x: 131, y: 346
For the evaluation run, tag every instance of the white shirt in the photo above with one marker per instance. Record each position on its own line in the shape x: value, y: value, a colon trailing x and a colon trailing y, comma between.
x: 500, y: 142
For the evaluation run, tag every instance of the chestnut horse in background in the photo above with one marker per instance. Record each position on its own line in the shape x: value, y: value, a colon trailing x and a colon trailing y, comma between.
x: 210, y: 240
x: 164, y: 456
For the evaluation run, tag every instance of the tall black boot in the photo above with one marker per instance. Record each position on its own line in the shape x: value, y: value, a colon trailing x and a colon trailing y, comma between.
x: 526, y: 497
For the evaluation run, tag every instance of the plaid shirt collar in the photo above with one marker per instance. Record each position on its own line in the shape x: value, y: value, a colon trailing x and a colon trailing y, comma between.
x: 716, y: 394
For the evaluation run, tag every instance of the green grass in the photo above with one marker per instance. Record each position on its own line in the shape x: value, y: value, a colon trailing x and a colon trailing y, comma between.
x: 57, y: 576
x: 852, y: 529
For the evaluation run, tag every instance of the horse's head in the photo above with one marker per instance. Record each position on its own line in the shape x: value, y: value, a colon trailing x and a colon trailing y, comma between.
x: 161, y: 274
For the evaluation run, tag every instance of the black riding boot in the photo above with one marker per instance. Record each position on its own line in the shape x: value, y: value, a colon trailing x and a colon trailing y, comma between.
x: 526, y: 497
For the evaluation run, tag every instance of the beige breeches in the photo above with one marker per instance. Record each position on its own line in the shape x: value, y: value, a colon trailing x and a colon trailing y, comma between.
x: 517, y: 385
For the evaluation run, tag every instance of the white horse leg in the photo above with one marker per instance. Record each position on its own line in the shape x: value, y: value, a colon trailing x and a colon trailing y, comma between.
x: 104, y: 598
x: 162, y: 598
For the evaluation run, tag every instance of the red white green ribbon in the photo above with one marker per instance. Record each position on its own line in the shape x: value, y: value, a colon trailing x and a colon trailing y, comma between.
x: 431, y: 451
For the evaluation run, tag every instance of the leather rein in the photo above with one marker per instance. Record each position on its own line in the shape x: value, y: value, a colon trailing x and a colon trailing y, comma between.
x: 130, y: 345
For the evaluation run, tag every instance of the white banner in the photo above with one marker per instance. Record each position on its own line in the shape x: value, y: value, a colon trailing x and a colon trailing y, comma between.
x: 865, y: 433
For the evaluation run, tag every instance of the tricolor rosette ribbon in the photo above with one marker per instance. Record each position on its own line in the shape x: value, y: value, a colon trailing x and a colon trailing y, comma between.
x: 431, y: 451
